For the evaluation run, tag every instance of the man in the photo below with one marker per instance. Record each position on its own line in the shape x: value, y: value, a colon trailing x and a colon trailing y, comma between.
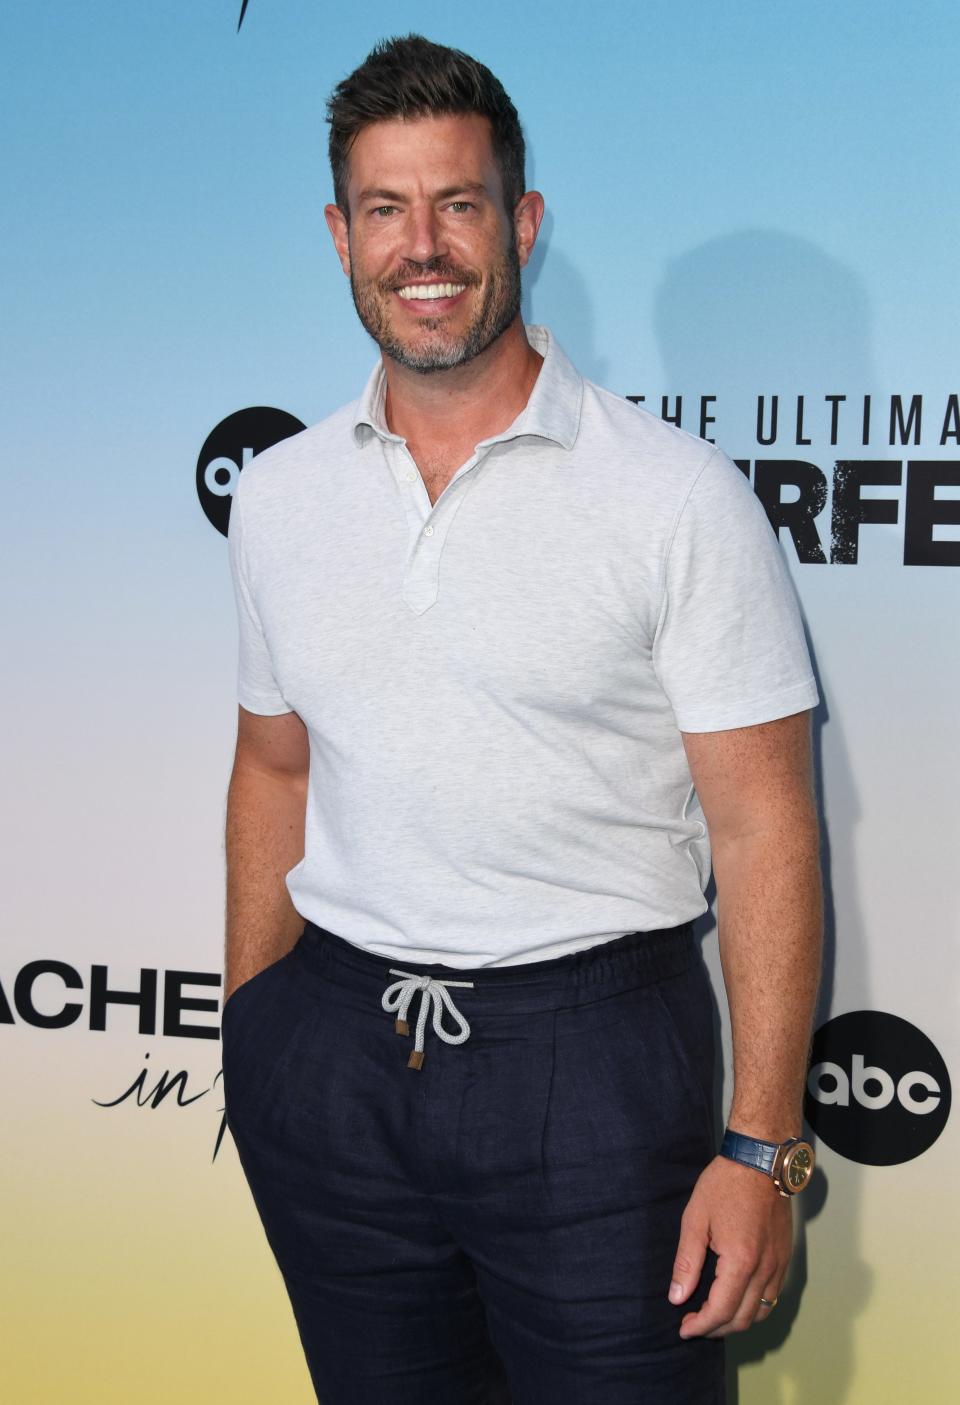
x: 509, y: 648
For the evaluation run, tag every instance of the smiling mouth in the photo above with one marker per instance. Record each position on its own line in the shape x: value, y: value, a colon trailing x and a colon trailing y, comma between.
x: 429, y: 292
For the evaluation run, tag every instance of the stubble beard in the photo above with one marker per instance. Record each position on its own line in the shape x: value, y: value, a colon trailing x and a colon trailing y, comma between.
x: 434, y: 349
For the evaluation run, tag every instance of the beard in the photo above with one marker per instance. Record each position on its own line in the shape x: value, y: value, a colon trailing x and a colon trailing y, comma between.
x: 430, y: 346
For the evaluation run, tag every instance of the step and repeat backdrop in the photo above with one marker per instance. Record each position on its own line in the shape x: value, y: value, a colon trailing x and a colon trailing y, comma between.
x: 751, y: 231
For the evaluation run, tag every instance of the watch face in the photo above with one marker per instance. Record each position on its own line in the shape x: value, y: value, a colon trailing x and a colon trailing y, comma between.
x: 797, y: 1166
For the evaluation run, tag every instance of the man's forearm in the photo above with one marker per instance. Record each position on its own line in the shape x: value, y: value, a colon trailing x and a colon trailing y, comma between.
x: 264, y: 840
x: 755, y: 784
x: 770, y: 910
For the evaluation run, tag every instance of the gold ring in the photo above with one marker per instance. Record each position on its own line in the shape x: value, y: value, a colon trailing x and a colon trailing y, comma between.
x: 768, y: 1302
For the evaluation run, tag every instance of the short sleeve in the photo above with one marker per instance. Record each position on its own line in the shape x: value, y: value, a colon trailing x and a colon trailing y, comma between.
x: 729, y: 647
x: 257, y: 689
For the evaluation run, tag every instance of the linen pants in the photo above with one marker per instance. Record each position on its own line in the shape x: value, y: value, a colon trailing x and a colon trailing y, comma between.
x: 497, y: 1226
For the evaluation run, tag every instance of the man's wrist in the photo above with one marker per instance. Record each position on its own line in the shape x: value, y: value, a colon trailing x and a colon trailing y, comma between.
x: 776, y: 1125
x: 789, y: 1163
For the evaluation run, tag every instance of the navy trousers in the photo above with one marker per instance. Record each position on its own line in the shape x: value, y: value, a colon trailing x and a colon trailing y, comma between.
x: 497, y: 1226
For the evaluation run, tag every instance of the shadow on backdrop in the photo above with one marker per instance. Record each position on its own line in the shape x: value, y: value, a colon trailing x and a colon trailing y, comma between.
x: 760, y: 312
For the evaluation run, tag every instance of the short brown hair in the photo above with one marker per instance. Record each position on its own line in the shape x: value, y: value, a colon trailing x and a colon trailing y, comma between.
x: 412, y: 77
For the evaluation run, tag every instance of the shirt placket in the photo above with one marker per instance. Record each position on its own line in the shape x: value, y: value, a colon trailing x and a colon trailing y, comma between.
x: 428, y: 523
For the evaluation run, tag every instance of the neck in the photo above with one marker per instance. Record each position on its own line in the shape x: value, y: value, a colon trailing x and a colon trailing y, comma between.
x: 469, y: 403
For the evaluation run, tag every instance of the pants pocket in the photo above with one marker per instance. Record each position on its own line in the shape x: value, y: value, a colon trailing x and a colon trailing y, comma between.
x: 261, y: 1023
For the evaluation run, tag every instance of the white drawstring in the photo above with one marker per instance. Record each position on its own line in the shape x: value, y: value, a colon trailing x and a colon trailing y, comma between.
x: 398, y: 996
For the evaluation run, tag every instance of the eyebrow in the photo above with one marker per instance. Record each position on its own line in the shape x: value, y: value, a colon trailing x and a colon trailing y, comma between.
x: 466, y: 188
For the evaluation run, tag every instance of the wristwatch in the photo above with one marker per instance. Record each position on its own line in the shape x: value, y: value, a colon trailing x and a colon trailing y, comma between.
x: 789, y: 1164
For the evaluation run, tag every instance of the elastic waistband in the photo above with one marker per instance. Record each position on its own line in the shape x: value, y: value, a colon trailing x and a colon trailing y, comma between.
x: 639, y: 958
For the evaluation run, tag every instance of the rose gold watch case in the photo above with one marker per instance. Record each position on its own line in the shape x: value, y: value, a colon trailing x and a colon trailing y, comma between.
x: 792, y: 1167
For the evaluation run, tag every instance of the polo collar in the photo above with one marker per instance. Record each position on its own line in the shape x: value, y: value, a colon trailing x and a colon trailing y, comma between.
x: 552, y: 411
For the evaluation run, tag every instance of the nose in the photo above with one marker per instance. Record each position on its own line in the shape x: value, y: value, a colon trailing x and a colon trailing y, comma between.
x: 425, y: 238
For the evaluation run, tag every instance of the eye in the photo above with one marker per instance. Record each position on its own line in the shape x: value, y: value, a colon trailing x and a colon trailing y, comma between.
x: 383, y: 211
x: 460, y: 207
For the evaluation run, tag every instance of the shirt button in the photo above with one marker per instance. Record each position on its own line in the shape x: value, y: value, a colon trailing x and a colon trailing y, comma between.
x: 428, y: 531
x: 409, y: 478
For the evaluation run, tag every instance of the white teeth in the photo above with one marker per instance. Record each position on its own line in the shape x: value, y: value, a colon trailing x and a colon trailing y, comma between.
x: 427, y: 291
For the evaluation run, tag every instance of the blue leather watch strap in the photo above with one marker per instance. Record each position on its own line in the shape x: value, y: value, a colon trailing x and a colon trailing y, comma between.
x: 749, y: 1152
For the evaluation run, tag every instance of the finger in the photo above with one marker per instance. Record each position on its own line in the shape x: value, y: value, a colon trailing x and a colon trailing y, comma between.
x: 688, y: 1264
x: 763, y: 1284
x: 769, y: 1285
x: 771, y: 1293
x: 746, y: 1310
x: 723, y: 1301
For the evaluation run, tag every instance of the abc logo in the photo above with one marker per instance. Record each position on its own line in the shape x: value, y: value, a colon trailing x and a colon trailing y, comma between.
x: 227, y: 450
x: 878, y: 1091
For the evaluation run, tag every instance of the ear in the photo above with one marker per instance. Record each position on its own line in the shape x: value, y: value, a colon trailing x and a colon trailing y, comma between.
x: 339, y: 233
x: 526, y: 223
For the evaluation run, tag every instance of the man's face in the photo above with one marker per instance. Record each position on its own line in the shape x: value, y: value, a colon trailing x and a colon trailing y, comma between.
x: 431, y: 251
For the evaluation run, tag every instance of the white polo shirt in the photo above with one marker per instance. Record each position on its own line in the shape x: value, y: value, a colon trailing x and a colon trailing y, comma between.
x: 494, y: 687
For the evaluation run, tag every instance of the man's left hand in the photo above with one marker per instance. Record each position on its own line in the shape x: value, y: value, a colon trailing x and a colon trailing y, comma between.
x: 738, y: 1213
